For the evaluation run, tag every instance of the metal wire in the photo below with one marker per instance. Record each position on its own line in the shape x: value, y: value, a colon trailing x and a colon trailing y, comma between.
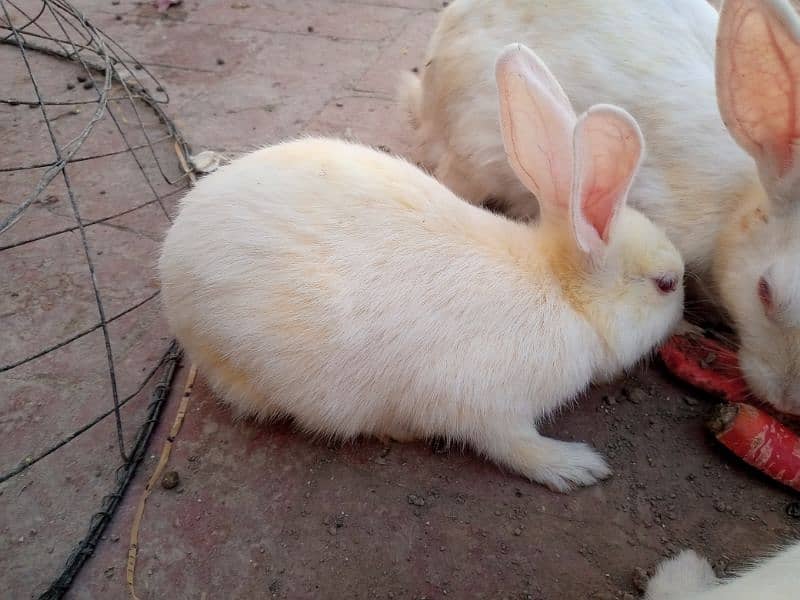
x: 124, y: 475
x: 55, y: 28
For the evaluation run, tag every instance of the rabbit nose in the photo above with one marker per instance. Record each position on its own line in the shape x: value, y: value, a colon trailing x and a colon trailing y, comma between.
x: 666, y: 284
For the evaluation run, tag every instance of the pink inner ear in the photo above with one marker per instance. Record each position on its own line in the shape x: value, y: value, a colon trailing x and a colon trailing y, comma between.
x: 601, y: 187
x: 758, y: 73
x: 608, y: 146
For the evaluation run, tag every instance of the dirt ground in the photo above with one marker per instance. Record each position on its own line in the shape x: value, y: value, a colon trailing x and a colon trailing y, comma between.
x: 261, y: 511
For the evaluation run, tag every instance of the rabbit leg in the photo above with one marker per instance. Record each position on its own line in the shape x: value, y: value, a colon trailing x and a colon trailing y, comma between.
x: 558, y: 465
x: 681, y: 576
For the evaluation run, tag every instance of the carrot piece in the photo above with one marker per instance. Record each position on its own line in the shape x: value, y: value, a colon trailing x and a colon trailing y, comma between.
x: 760, y: 440
x: 705, y: 364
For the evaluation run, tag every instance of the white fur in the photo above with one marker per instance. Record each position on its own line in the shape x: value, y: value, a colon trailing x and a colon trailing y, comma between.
x: 344, y: 287
x: 656, y: 59
x: 689, y: 577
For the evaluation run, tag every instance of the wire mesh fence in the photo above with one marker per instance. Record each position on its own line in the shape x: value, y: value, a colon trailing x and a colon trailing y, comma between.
x: 90, y: 174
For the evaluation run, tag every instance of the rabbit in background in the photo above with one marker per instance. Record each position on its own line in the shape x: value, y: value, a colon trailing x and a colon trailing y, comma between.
x: 717, y: 98
x: 346, y: 288
x: 690, y: 577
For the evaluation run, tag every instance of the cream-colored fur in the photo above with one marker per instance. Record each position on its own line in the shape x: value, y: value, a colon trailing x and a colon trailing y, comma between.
x: 344, y: 287
x: 657, y: 60
x: 689, y: 577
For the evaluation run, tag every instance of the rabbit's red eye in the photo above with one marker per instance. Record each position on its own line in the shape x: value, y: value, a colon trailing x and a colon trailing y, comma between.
x: 765, y: 294
x: 666, y: 284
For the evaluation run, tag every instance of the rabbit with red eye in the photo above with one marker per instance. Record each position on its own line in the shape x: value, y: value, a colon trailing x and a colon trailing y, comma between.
x: 726, y: 190
x: 345, y: 288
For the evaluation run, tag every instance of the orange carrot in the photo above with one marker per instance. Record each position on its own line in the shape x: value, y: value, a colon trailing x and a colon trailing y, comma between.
x: 705, y: 364
x: 759, y: 440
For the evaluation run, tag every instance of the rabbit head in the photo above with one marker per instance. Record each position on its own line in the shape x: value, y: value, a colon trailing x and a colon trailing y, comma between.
x: 758, y: 263
x: 614, y: 265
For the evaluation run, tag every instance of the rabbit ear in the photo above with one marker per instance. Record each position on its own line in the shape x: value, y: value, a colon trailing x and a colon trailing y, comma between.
x: 608, y: 149
x: 758, y: 82
x: 537, y: 122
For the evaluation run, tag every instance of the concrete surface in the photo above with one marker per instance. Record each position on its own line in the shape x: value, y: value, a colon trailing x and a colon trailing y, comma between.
x: 262, y: 512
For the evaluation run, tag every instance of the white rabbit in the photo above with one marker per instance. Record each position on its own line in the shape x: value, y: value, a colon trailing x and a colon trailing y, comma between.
x: 344, y: 287
x: 735, y: 218
x: 689, y: 577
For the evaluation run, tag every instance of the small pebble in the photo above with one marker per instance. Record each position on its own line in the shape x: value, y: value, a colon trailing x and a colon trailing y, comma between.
x: 637, y: 396
x: 517, y: 531
x: 88, y: 84
x: 310, y: 29
x: 690, y: 401
x: 70, y: 86
x: 416, y: 500
x: 170, y: 480
x: 220, y: 61
x: 81, y: 78
x: 118, y: 17
x: 720, y: 506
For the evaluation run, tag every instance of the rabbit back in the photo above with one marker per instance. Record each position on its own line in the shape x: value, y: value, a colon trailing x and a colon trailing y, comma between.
x: 345, y: 288
x: 655, y: 59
